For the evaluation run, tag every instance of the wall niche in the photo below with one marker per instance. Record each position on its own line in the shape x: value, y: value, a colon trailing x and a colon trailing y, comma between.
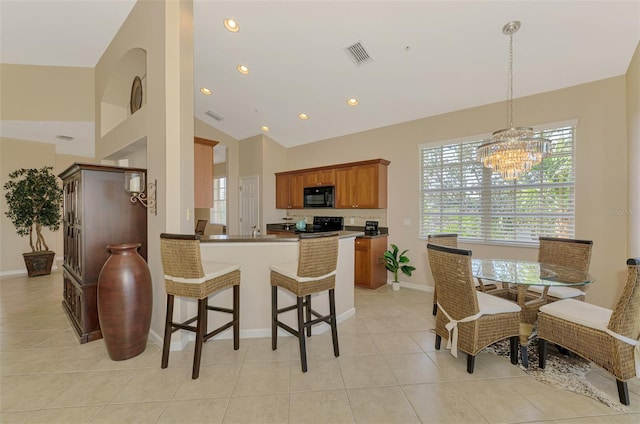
x: 126, y: 90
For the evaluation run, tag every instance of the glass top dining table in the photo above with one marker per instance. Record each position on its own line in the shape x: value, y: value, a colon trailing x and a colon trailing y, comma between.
x: 522, y: 275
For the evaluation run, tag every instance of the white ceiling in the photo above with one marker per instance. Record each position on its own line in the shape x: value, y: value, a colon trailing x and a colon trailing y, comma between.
x: 429, y: 57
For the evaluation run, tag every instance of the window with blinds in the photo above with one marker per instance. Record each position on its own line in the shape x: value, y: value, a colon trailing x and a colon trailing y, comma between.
x: 460, y: 196
x: 219, y: 210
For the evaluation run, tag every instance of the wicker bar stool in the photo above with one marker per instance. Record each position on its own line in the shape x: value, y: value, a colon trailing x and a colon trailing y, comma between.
x: 314, y: 272
x: 451, y: 240
x: 186, y: 275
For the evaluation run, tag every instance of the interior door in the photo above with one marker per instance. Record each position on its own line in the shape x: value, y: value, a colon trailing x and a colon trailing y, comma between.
x: 249, y: 204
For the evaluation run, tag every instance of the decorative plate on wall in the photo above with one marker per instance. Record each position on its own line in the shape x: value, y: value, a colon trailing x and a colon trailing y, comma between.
x: 136, y: 95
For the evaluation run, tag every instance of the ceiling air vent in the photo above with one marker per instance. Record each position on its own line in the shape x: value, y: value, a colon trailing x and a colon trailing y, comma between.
x: 214, y: 115
x: 64, y: 137
x: 358, y: 53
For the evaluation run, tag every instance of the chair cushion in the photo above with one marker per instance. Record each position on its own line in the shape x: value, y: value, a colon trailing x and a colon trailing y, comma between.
x: 211, y: 270
x: 559, y: 291
x: 491, y: 305
x: 290, y: 270
x: 578, y: 312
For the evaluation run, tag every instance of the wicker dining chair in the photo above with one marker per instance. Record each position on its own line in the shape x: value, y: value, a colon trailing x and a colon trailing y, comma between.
x: 609, y: 338
x: 314, y: 272
x: 186, y: 275
x: 451, y: 240
x: 571, y: 253
x: 476, y: 319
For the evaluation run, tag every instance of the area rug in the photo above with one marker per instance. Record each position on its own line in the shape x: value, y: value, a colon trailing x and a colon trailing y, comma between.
x: 567, y: 372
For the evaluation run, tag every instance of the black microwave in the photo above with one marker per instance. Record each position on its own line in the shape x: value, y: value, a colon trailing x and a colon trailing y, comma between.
x: 319, y: 197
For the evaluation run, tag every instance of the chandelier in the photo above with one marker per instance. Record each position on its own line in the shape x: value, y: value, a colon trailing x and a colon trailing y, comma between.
x: 513, y: 151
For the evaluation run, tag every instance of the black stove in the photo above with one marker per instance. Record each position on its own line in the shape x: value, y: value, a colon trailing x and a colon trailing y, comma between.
x: 323, y: 224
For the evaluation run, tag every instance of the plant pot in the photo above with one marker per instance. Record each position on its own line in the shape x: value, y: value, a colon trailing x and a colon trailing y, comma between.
x: 395, y: 285
x: 39, y: 263
x: 125, y: 301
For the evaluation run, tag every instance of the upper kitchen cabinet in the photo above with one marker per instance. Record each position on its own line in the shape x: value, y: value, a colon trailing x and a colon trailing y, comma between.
x: 203, y: 172
x: 357, y: 184
x: 362, y: 185
x: 322, y: 177
x: 289, y: 190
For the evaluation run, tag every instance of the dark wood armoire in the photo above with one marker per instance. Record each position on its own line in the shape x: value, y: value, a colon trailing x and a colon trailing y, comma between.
x: 97, y: 212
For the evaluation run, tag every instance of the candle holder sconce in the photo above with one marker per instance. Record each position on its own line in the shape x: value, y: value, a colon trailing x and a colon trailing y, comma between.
x: 134, y: 184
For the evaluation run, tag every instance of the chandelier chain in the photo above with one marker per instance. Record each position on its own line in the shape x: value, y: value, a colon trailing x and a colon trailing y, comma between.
x: 511, y: 80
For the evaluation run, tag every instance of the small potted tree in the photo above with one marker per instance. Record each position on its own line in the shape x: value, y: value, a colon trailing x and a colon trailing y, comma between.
x: 397, y: 262
x: 34, y: 200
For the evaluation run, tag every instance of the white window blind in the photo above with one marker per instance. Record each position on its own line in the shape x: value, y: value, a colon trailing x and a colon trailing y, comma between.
x: 219, y: 210
x: 460, y: 196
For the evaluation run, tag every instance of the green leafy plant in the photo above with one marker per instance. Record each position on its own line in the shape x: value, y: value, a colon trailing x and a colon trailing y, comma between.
x: 34, y: 200
x: 397, y: 262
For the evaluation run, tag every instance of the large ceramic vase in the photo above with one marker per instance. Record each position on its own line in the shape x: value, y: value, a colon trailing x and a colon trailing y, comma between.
x: 125, y: 300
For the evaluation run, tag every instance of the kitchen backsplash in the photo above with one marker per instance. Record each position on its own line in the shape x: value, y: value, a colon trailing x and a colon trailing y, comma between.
x: 356, y: 217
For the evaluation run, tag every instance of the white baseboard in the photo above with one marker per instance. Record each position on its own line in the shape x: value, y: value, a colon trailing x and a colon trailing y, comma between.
x: 414, y: 286
x: 12, y: 272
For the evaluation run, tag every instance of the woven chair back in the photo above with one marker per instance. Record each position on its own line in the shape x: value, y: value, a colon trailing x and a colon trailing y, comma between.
x: 181, y: 255
x: 575, y: 254
x: 317, y: 256
x: 451, y: 269
x: 625, y: 319
x: 449, y: 240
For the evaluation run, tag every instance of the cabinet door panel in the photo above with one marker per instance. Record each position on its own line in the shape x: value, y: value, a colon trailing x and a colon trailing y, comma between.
x: 283, y: 190
x: 344, y: 188
x: 326, y: 177
x: 297, y: 191
x: 203, y: 175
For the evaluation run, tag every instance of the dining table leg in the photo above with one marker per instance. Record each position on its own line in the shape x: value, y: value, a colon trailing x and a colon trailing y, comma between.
x: 525, y: 327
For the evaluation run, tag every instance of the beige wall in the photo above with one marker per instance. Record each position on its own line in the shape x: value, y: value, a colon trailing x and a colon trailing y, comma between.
x: 46, y: 93
x: 633, y: 134
x: 601, y: 175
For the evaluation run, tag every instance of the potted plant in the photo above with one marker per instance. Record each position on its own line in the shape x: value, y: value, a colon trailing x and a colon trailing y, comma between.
x: 34, y: 200
x: 397, y: 262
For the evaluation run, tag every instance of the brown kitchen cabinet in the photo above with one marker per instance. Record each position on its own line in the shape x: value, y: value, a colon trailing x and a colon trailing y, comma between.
x: 203, y: 172
x: 289, y: 191
x: 324, y: 177
x: 370, y: 271
x: 362, y: 186
x: 357, y: 184
x: 97, y: 212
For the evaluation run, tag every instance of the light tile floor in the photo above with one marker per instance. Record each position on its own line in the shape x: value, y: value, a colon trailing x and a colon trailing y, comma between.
x: 388, y: 372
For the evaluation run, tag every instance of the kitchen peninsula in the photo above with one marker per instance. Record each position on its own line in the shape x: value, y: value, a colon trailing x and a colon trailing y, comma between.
x: 255, y: 256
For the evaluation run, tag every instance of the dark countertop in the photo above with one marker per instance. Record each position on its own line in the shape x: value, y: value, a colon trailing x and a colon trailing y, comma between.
x: 268, y: 238
x: 384, y: 231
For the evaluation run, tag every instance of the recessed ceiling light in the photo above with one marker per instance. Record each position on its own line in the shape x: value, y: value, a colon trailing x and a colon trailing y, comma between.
x: 231, y: 25
x: 303, y: 116
x: 205, y: 91
x: 243, y: 69
x: 353, y: 101
x: 264, y: 128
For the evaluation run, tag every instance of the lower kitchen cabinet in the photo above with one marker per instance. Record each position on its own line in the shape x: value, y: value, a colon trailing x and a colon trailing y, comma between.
x: 370, y: 271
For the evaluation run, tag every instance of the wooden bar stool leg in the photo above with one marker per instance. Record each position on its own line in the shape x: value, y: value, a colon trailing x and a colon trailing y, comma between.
x: 334, y: 326
x: 274, y: 317
x: 301, y: 338
x: 308, y: 310
x: 168, y: 329
x: 236, y: 317
x: 201, y: 330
